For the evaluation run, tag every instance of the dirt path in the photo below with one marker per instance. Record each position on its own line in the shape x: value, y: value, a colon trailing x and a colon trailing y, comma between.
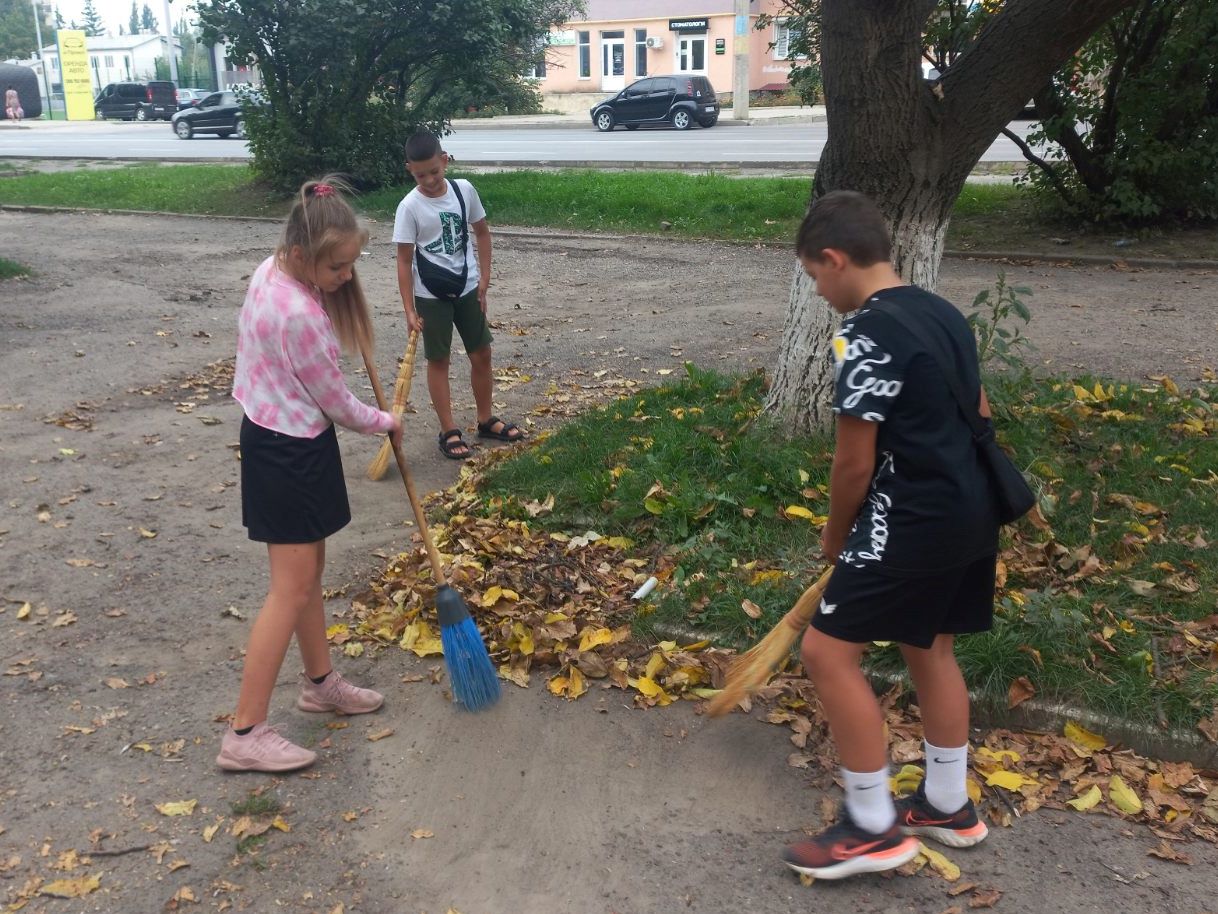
x: 538, y: 806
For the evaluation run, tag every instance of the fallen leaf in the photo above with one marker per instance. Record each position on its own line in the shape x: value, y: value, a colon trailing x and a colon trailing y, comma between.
x: 1166, y: 852
x: 422, y: 833
x: 751, y: 609
x: 146, y: 533
x: 1123, y: 796
x: 1083, y: 737
x: 380, y: 734
x: 940, y: 864
x: 115, y: 683
x: 1020, y: 691
x: 1087, y: 800
x: 984, y: 898
x: 71, y: 888
x: 177, y: 808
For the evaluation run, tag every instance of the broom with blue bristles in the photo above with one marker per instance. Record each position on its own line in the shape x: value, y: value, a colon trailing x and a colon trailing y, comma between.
x: 474, y: 681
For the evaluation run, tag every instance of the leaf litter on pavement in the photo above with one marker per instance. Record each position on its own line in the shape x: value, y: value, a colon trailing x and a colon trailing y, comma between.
x: 555, y: 608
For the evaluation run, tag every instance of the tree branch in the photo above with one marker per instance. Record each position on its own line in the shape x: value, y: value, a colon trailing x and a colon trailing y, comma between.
x: 1040, y: 163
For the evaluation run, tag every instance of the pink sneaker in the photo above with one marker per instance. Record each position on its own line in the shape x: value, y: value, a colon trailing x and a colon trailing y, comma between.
x: 336, y: 694
x: 262, y: 749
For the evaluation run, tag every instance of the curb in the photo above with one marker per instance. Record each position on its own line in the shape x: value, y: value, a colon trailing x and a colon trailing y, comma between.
x: 1170, y: 745
x: 1084, y: 259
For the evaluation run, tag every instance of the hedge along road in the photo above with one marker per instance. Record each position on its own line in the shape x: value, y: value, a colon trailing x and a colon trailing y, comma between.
x: 540, y: 805
x: 762, y: 144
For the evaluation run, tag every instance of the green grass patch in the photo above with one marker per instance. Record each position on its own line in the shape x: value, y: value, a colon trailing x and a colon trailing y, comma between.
x: 203, y: 189
x: 10, y: 269
x: 257, y: 804
x: 1097, y: 605
x: 990, y: 217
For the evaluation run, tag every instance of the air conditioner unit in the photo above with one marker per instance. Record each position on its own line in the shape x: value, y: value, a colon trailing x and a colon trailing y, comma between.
x: 655, y: 41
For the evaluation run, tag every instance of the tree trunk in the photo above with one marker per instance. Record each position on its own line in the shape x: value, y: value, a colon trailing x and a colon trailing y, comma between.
x: 910, y: 145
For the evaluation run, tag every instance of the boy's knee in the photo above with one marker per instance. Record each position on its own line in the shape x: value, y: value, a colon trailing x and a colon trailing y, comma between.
x: 822, y: 654
x: 482, y: 356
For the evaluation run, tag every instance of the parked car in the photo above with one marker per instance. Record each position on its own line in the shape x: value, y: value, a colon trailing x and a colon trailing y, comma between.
x: 188, y: 98
x: 219, y: 112
x: 132, y: 101
x: 678, y: 100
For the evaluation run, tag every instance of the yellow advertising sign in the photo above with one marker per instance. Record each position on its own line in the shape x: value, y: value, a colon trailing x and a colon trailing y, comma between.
x: 74, y: 72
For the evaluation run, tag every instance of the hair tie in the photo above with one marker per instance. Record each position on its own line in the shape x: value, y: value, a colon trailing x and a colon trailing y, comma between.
x: 323, y: 190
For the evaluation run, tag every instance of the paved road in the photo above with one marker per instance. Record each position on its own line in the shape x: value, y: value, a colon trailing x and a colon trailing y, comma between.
x: 764, y: 144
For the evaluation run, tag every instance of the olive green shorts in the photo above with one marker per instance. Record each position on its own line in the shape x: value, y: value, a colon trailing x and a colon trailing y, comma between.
x: 439, y: 318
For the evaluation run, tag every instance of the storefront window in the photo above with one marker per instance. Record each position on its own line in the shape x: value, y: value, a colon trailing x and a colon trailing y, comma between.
x: 640, y: 52
x: 585, y: 55
x: 691, y: 54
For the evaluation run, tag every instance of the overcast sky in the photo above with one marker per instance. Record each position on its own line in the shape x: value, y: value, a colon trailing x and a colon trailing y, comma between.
x: 118, y: 12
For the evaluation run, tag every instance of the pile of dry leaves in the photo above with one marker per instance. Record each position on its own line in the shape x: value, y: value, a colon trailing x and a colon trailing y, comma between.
x: 557, y: 608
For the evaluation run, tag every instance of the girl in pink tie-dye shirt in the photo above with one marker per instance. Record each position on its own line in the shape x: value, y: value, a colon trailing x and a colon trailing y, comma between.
x: 303, y: 301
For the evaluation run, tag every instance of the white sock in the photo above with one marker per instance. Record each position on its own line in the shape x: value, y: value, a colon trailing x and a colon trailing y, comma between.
x: 946, y: 774
x: 868, y: 799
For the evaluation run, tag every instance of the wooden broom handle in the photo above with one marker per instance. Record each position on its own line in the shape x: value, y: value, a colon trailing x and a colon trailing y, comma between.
x: 437, y: 569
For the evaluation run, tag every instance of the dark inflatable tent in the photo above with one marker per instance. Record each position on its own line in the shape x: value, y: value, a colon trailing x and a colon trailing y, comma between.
x: 25, y: 81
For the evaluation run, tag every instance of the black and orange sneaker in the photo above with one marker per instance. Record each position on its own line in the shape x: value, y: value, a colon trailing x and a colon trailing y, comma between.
x: 915, y: 816
x: 844, y: 850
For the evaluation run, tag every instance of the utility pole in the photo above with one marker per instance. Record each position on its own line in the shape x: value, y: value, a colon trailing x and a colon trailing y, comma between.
x: 46, y: 79
x: 173, y: 58
x: 740, y: 75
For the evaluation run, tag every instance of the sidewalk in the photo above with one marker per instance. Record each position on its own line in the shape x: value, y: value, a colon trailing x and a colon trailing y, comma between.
x: 583, y: 119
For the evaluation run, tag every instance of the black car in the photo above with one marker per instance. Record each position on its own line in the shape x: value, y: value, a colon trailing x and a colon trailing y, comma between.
x: 137, y: 101
x: 219, y: 113
x: 678, y: 100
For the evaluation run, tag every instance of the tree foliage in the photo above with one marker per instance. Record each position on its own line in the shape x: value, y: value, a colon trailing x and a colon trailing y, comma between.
x: 1133, y: 119
x: 94, y: 26
x: 18, y: 38
x: 133, y: 23
x: 148, y: 22
x: 347, y: 81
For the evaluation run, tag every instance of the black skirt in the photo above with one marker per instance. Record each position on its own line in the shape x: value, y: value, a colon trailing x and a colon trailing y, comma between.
x: 292, y: 489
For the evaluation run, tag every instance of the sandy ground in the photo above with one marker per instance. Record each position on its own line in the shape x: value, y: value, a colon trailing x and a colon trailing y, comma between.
x: 537, y: 806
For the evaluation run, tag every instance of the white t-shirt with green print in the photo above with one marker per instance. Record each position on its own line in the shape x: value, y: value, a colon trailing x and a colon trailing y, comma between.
x: 433, y: 224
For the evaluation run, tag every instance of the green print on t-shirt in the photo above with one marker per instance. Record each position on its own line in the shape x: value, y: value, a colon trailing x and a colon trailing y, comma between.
x: 450, y: 231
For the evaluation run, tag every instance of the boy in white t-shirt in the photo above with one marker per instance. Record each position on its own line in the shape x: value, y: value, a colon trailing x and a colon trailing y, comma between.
x: 442, y: 286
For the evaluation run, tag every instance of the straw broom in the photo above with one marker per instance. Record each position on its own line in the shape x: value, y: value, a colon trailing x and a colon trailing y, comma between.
x: 752, y: 669
x: 401, y: 393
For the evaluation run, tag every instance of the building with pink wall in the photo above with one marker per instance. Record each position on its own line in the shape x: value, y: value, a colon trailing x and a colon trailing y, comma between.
x: 619, y: 41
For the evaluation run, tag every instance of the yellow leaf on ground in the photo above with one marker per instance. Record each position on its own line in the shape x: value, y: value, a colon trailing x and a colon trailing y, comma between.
x: 1123, y: 797
x: 974, y: 790
x: 419, y: 638
x: 146, y: 533
x: 24, y: 611
x: 940, y: 864
x: 422, y: 833
x: 71, y: 888
x: 594, y: 637
x: 1008, y: 780
x: 763, y: 577
x: 1083, y: 737
x: 798, y: 511
x: 178, y: 808
x: 1085, y: 801
x: 279, y: 823
x: 378, y: 735
x: 210, y: 831
x: 497, y: 593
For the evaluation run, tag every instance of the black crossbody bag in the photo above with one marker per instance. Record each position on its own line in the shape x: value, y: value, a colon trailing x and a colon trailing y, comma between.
x: 1012, y: 493
x: 440, y: 281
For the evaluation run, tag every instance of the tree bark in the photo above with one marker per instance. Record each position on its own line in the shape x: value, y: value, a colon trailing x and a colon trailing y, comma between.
x: 910, y: 146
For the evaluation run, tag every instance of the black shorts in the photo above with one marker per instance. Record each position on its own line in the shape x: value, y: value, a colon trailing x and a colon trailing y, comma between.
x: 292, y: 489
x: 861, y: 605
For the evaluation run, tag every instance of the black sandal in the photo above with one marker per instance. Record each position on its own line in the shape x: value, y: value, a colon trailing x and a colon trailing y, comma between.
x: 450, y: 442
x: 487, y: 430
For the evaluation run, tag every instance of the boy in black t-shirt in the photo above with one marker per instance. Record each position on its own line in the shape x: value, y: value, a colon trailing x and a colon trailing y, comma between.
x: 913, y: 536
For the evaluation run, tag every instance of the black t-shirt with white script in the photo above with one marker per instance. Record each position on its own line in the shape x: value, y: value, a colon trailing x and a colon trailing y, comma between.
x: 930, y: 506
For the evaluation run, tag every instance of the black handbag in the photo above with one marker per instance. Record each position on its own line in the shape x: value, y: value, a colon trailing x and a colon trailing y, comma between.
x: 1012, y: 494
x: 441, y: 281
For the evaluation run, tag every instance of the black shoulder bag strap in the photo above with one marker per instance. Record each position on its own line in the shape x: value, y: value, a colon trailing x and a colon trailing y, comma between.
x: 981, y: 432
x: 464, y: 233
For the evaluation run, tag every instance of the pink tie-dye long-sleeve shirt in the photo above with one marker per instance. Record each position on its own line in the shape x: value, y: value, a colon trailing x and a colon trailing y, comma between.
x: 287, y: 377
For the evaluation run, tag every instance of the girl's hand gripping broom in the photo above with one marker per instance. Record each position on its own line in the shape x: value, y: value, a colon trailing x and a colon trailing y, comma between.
x: 401, y: 393
x: 752, y: 669
x: 474, y: 680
